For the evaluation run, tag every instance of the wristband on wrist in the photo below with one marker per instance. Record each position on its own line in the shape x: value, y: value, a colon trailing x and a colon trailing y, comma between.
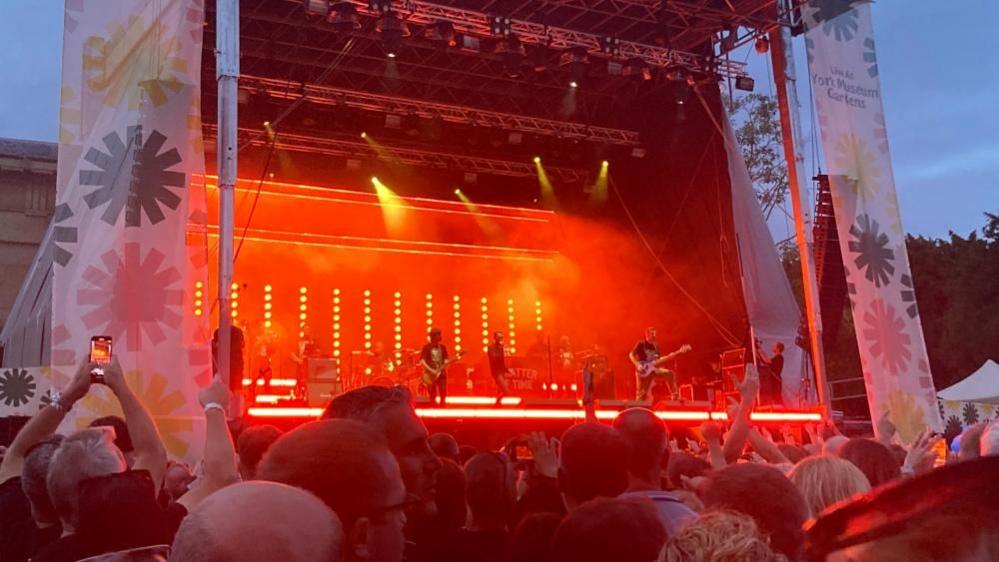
x: 214, y: 406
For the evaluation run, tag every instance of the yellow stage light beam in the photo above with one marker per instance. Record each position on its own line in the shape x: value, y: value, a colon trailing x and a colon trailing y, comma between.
x: 485, y: 223
x: 548, y: 198
x: 381, y: 151
x: 393, y: 210
x: 599, y: 194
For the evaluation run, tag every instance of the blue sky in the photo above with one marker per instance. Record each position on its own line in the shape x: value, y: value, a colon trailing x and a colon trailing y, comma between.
x: 939, y: 75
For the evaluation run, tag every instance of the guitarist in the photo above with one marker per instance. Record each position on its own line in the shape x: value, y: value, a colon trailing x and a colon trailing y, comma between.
x: 645, y: 352
x: 433, y: 357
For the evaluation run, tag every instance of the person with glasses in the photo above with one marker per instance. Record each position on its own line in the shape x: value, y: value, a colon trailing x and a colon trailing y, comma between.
x: 349, y: 466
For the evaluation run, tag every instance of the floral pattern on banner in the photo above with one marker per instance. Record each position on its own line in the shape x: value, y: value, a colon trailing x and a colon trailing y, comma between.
x: 844, y: 72
x: 959, y: 415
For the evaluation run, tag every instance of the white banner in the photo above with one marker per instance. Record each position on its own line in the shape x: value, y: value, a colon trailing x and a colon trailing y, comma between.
x: 129, y: 153
x: 844, y: 76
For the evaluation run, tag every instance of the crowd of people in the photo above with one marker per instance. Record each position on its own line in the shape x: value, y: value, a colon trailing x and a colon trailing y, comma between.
x: 368, y: 483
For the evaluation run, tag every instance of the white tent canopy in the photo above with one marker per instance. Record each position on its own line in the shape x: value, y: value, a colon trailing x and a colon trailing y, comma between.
x: 980, y: 386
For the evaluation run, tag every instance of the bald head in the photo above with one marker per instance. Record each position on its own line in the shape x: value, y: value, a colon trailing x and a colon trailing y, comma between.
x: 259, y: 521
x: 646, y: 435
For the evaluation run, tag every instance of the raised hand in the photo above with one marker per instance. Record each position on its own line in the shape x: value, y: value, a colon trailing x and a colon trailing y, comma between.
x: 921, y: 457
x: 114, y: 378
x: 543, y: 449
x: 216, y: 393
x: 80, y: 384
x: 750, y: 384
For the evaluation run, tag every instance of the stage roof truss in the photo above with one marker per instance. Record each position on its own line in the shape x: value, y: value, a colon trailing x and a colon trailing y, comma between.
x: 402, y: 155
x: 368, y: 101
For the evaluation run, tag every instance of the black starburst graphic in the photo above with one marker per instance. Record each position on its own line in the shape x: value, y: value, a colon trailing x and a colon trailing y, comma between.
x: 17, y: 386
x: 837, y: 17
x: 953, y: 428
x: 870, y: 57
x: 909, y: 296
x: 62, y: 235
x: 969, y: 413
x: 133, y: 176
x: 873, y: 254
x: 46, y: 399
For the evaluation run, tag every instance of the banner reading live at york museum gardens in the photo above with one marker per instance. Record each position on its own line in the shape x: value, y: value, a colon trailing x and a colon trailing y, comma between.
x: 130, y: 174
x: 847, y: 91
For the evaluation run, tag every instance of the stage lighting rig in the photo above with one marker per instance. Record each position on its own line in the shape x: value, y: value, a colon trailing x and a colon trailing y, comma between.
x: 380, y: 6
x: 762, y: 44
x: 513, y: 54
x: 638, y: 68
x: 576, y: 60
x: 392, y: 29
x: 610, y: 46
x: 729, y: 40
x: 744, y: 83
x: 442, y: 32
x: 316, y: 8
x: 344, y: 18
x: 500, y: 25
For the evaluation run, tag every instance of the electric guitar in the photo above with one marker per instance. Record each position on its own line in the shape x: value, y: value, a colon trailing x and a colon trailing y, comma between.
x: 430, y: 376
x: 648, y: 367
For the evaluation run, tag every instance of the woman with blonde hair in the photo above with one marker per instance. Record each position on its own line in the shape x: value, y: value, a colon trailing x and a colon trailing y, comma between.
x: 825, y: 480
x: 720, y: 536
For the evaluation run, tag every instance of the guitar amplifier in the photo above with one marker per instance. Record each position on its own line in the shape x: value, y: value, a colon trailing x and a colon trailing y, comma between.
x: 323, y: 380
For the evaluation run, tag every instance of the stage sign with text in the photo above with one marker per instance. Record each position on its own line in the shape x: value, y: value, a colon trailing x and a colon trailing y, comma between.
x: 844, y: 75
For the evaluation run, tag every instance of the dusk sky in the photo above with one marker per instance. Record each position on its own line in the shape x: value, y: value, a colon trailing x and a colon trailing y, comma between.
x: 938, y: 68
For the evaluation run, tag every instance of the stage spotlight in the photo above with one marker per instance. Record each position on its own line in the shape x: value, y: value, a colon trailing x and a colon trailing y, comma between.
x: 442, y: 32
x: 638, y: 68
x: 457, y: 192
x: 537, y: 159
x: 599, y: 194
x: 576, y: 60
x: 610, y: 46
x: 364, y: 135
x: 392, y: 29
x: 343, y: 17
x: 573, y: 84
x: 374, y: 180
x: 744, y: 83
x: 762, y: 44
x: 605, y: 164
x: 317, y: 8
x: 500, y: 25
x: 380, y: 6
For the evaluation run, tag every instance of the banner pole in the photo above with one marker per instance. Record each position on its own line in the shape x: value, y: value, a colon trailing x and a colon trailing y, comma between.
x: 227, y: 75
x: 790, y: 125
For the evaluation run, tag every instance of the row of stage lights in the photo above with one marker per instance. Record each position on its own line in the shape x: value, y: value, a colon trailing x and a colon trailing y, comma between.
x: 303, y: 315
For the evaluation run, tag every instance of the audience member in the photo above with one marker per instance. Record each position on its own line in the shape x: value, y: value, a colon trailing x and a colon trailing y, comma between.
x: 834, y: 445
x: 445, y: 446
x: 466, y: 452
x: 683, y: 465
x: 432, y: 536
x: 390, y: 412
x: 122, y: 439
x: 826, y: 480
x: 990, y: 440
x: 27, y: 519
x: 176, y: 480
x: 793, y: 453
x: 646, y: 436
x: 720, y: 536
x: 765, y: 494
x: 875, y: 460
x: 251, y: 445
x: 259, y: 521
x: 594, y: 464
x: 605, y: 529
x: 348, y: 465
x: 971, y: 442
x: 489, y: 490
x: 531, y: 539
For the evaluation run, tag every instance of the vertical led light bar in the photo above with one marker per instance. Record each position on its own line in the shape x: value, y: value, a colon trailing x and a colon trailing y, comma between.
x: 199, y: 296
x: 336, y: 324
x: 303, y: 310
x: 398, y: 326
x: 234, y: 301
x: 367, y: 319
x: 457, y: 324
x: 537, y: 314
x: 485, y: 324
x: 512, y: 334
x: 268, y: 304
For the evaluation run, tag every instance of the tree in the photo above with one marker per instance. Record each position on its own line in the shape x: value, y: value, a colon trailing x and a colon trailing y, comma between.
x: 758, y: 133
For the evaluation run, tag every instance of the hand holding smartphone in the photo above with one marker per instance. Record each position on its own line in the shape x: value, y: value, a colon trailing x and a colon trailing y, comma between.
x: 100, y: 353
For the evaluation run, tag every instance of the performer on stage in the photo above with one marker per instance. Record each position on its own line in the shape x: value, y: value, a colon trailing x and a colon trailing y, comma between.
x: 771, y: 383
x: 646, y: 358
x: 265, y: 344
x: 307, y: 348
x: 434, y: 359
x: 497, y: 366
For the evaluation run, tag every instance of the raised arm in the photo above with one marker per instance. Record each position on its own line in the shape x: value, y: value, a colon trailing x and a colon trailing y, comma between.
x: 45, y: 422
x: 735, y: 440
x: 712, y: 434
x: 766, y: 448
x: 149, y: 451
x: 219, y: 463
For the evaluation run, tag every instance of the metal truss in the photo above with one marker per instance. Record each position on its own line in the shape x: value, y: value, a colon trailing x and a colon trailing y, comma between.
x: 283, y: 89
x: 478, y: 23
x: 398, y: 155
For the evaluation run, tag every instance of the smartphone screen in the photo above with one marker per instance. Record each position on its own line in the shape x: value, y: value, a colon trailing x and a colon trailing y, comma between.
x: 940, y: 448
x: 100, y: 350
x: 523, y: 453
